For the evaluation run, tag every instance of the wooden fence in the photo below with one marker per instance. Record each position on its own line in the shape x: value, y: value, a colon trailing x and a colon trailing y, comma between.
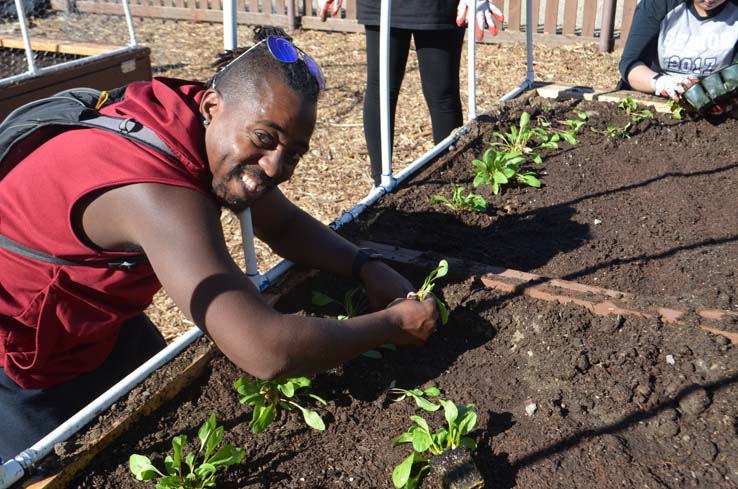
x: 606, y: 22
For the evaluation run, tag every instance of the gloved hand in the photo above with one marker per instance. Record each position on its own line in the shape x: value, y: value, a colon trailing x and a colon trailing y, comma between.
x: 673, y: 86
x: 334, y: 6
x: 485, y: 16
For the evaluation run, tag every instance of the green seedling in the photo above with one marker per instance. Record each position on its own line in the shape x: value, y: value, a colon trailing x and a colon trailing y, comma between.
x: 267, y: 396
x: 354, y: 303
x: 419, y: 396
x: 461, y: 202
x: 630, y: 107
x: 679, y: 109
x: 526, y: 141
x: 460, y: 420
x: 574, y: 127
x: 615, y: 132
x: 498, y: 168
x: 430, y: 281
x: 190, y: 475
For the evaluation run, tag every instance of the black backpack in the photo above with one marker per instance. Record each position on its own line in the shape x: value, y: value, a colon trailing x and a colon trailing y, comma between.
x: 34, y: 123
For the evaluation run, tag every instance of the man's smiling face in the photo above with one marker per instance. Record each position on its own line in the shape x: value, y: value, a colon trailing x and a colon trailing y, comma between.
x: 254, y: 145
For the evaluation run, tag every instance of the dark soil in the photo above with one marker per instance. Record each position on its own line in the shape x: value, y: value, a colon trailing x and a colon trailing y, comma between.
x: 13, y: 61
x: 565, y: 398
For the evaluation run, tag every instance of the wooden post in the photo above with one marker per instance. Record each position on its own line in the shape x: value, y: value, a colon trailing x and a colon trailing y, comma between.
x: 607, y: 26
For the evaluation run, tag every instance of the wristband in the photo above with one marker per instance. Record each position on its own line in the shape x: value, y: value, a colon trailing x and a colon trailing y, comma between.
x: 362, y: 256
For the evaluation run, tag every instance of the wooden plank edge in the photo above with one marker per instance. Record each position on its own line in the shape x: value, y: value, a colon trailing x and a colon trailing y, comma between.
x: 172, y: 388
x: 58, y: 46
x: 561, y: 91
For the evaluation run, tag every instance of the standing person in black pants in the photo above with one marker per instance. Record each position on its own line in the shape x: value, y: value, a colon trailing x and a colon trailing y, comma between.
x: 434, y: 27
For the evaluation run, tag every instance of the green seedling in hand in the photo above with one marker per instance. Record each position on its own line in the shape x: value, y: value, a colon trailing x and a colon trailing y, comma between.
x: 440, y: 271
x: 460, y: 420
x: 497, y: 168
x: 267, y: 396
x: 354, y: 303
x: 190, y: 475
x: 461, y: 202
x: 420, y: 396
x: 523, y: 138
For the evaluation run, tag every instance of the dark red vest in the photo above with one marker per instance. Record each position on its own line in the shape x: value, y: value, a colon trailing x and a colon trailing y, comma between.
x: 57, y: 322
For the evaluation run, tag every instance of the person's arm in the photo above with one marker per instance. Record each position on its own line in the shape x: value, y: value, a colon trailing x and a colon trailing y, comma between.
x: 179, y: 230
x: 641, y: 45
x: 297, y: 236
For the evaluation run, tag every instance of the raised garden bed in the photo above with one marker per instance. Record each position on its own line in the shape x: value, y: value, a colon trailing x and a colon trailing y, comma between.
x: 94, y: 65
x: 575, y: 385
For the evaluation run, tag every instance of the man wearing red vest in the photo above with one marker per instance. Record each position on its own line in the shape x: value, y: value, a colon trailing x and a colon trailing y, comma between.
x: 67, y: 333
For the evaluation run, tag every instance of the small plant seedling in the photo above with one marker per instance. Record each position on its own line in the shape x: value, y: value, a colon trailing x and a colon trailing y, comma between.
x: 615, y: 132
x: 354, y: 303
x: 267, y: 396
x: 460, y: 420
x: 461, y: 202
x: 497, y: 168
x: 440, y: 271
x: 190, y: 475
x: 519, y: 140
x: 419, y: 396
x: 630, y: 107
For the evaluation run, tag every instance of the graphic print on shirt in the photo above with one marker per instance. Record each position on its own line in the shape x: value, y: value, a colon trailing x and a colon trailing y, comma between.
x: 689, y: 44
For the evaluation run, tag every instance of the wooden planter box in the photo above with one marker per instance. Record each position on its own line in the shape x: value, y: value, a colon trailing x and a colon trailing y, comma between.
x: 104, y: 67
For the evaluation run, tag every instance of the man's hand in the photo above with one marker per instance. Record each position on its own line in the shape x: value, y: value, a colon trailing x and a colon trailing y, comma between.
x: 329, y: 6
x: 485, y: 15
x: 383, y: 284
x: 672, y: 86
x: 417, y: 320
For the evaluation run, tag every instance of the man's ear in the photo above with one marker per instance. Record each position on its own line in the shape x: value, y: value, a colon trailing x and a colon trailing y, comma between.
x: 210, y: 103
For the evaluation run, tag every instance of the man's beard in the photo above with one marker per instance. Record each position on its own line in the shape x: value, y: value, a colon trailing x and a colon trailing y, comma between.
x: 234, y: 203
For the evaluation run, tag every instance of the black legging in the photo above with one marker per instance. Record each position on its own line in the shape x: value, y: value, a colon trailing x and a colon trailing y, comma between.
x: 30, y: 414
x: 439, y: 56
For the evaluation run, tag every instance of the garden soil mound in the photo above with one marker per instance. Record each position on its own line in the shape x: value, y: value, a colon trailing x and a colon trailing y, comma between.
x: 565, y: 398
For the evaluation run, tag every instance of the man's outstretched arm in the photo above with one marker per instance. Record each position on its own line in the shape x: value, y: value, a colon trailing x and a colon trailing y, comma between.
x: 297, y: 236
x: 179, y: 229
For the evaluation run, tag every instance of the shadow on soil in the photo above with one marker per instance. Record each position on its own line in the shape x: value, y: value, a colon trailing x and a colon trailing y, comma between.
x: 501, y: 472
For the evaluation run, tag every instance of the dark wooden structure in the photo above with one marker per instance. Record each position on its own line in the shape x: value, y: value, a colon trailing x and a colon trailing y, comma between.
x: 104, y: 67
x: 556, y: 21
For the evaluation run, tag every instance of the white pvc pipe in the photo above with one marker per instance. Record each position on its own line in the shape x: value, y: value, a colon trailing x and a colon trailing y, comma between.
x: 230, y: 34
x: 61, y: 66
x: 129, y: 22
x: 13, y: 470
x: 384, y: 92
x: 249, y: 252
x: 24, y: 33
x: 530, y: 75
x: 471, y: 54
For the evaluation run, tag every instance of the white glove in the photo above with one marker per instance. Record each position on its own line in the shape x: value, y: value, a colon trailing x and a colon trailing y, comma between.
x: 334, y: 6
x: 485, y: 15
x: 672, y: 86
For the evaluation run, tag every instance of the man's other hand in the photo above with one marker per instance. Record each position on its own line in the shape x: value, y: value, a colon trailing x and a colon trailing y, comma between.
x: 383, y: 284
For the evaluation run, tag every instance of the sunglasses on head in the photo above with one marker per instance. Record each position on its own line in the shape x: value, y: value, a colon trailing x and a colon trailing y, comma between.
x: 282, y: 50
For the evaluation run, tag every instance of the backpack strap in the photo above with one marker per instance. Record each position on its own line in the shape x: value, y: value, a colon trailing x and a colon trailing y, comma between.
x: 122, y: 264
x: 29, y: 125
